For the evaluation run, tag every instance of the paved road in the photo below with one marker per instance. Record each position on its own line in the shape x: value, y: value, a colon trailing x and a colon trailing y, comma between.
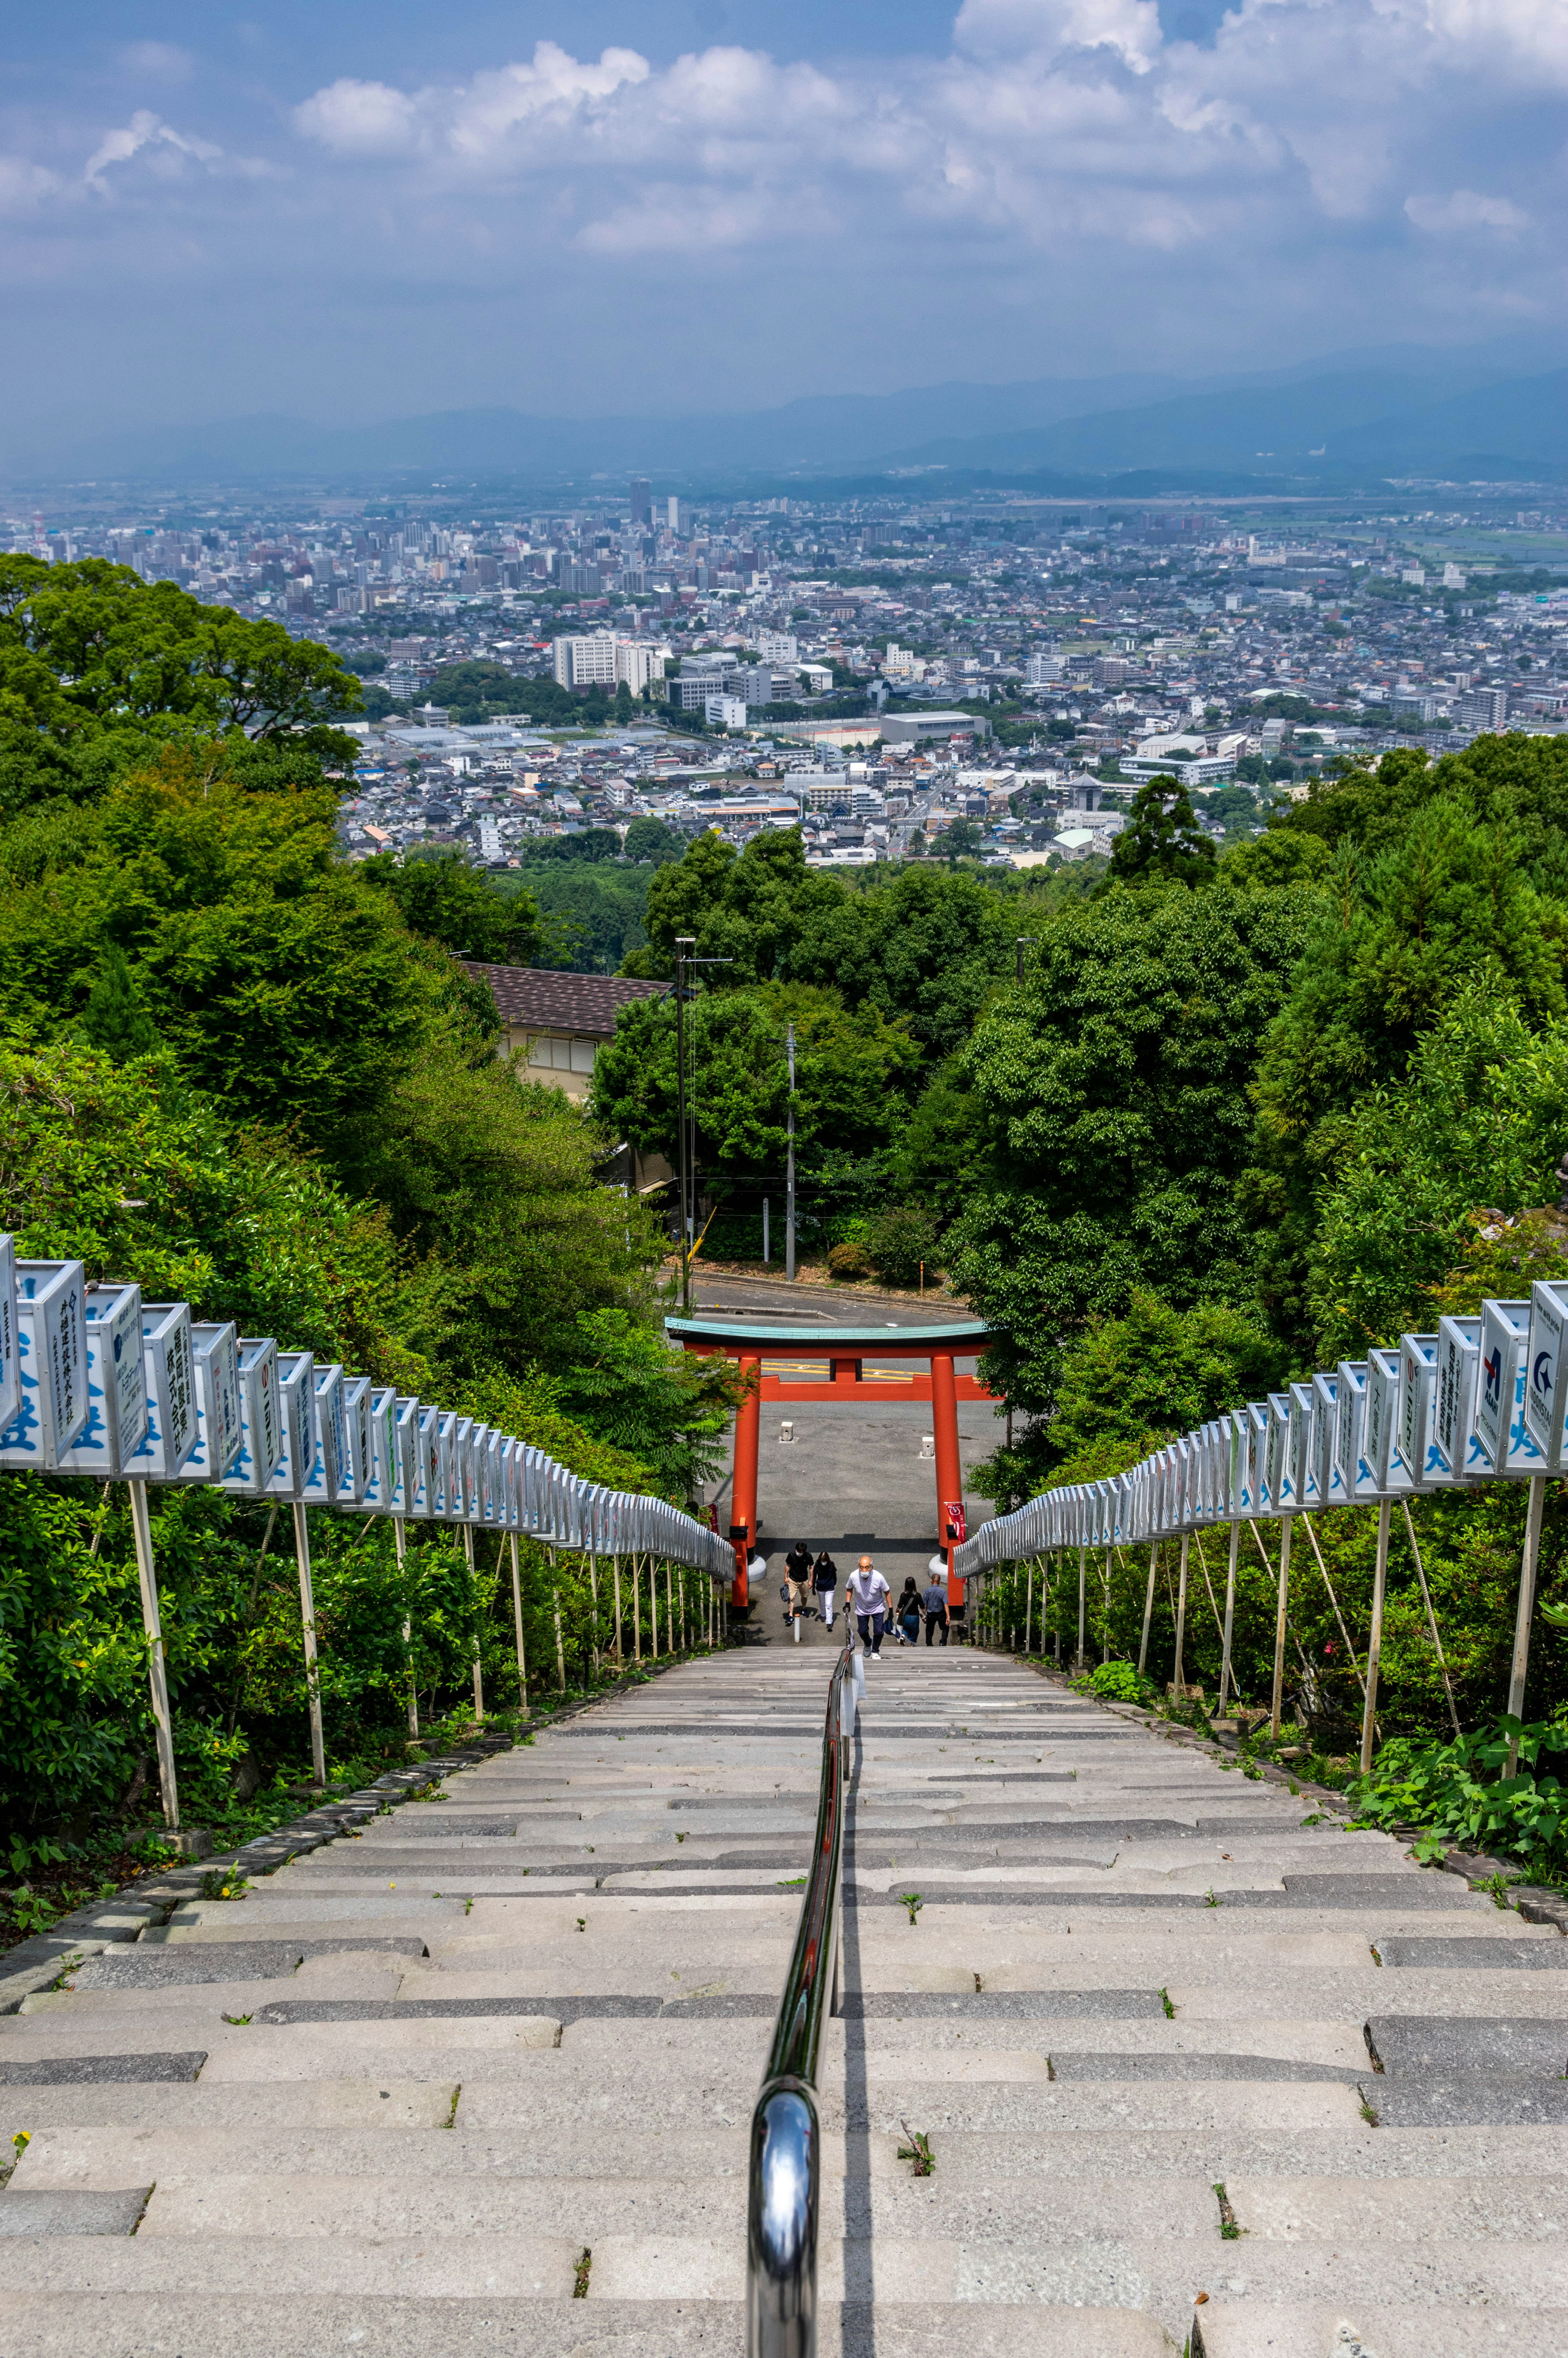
x: 478, y: 2079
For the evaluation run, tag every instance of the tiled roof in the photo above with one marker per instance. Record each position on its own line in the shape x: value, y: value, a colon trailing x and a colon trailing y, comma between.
x: 561, y: 1002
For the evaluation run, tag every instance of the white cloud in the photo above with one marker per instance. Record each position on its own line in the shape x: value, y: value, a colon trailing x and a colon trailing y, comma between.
x: 359, y: 118
x: 1064, y: 177
x: 1465, y: 209
x: 1129, y: 29
x: 24, y: 185
x: 146, y: 130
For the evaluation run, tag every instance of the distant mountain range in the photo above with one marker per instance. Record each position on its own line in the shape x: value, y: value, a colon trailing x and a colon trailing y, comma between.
x: 1359, y: 415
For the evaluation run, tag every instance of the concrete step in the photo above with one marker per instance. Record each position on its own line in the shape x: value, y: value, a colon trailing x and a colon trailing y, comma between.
x: 48, y: 2324
x: 1232, y: 2328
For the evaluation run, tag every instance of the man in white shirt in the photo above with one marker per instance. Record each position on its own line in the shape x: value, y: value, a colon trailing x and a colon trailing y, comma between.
x: 869, y: 1594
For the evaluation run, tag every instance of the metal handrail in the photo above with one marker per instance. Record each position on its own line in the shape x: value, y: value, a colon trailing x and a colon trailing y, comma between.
x: 785, y: 2176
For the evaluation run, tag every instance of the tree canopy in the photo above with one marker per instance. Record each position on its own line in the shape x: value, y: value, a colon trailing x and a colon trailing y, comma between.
x: 98, y: 669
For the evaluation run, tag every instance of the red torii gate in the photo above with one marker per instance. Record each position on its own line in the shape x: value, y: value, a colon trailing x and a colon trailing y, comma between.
x: 845, y: 1348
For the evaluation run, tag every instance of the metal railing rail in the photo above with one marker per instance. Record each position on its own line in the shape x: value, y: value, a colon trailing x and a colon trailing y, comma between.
x: 784, y: 2187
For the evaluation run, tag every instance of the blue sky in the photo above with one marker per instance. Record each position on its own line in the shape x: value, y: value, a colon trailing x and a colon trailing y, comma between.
x: 349, y: 212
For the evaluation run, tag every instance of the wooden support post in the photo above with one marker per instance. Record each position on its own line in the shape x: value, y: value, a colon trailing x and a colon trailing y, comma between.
x: 560, y: 1642
x: 1105, y: 1616
x: 1521, y: 1670
x: 615, y: 1566
x: 1148, y: 1608
x: 517, y: 1619
x: 1082, y: 1608
x: 400, y: 1550
x: 307, y: 1621
x: 1374, y: 1642
x: 1229, y: 1615
x: 473, y: 1591
x: 1181, y: 1613
x: 1431, y: 1619
x: 157, y: 1669
x: 1279, y: 1619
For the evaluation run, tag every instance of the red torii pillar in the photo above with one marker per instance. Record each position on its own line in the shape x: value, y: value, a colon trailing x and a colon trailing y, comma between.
x: 744, y: 1487
x: 949, y: 1468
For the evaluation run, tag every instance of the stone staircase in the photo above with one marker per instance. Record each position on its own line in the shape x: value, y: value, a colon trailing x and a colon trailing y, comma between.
x: 475, y: 2076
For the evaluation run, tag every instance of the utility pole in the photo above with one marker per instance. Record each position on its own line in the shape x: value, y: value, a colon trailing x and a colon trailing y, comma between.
x: 684, y: 942
x: 789, y: 1168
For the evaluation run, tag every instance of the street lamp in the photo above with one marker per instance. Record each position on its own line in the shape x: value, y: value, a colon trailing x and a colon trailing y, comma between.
x: 1025, y: 942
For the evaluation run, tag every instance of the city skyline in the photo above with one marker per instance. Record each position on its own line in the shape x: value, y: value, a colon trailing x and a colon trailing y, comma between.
x: 726, y: 206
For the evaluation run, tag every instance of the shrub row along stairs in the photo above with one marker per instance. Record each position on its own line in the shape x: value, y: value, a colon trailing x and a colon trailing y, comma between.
x: 477, y: 2077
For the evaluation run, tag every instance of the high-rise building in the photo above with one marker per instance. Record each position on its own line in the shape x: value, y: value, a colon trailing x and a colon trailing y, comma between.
x: 587, y: 661
x: 640, y: 663
x: 1483, y: 708
x: 599, y: 658
x: 676, y: 514
x: 642, y: 501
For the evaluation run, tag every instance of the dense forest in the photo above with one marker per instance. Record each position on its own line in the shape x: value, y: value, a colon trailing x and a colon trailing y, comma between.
x: 245, y: 1073
x: 1239, y: 1116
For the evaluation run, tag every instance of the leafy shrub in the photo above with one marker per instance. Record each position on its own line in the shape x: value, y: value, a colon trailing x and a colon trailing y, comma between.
x: 1460, y: 1793
x: 898, y: 1241
x: 849, y: 1261
x: 1116, y: 1682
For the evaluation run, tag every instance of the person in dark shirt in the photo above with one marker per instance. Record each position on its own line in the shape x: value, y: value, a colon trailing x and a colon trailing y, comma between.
x: 935, y: 1602
x: 798, y: 1572
x: 908, y: 1613
x: 824, y: 1580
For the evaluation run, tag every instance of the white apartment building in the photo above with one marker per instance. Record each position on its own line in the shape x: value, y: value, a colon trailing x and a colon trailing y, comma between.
x: 778, y: 647
x: 640, y: 663
x: 599, y: 658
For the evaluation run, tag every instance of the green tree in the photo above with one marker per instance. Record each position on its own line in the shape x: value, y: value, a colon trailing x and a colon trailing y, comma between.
x: 1112, y: 1106
x: 1400, y: 935
x: 287, y: 986
x: 114, y: 1018
x: 654, y: 839
x: 1469, y: 1138
x: 961, y: 838
x: 667, y: 1408
x: 98, y: 667
x: 1156, y: 1372
x: 850, y: 1069
x: 444, y: 897
x: 1163, y: 840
